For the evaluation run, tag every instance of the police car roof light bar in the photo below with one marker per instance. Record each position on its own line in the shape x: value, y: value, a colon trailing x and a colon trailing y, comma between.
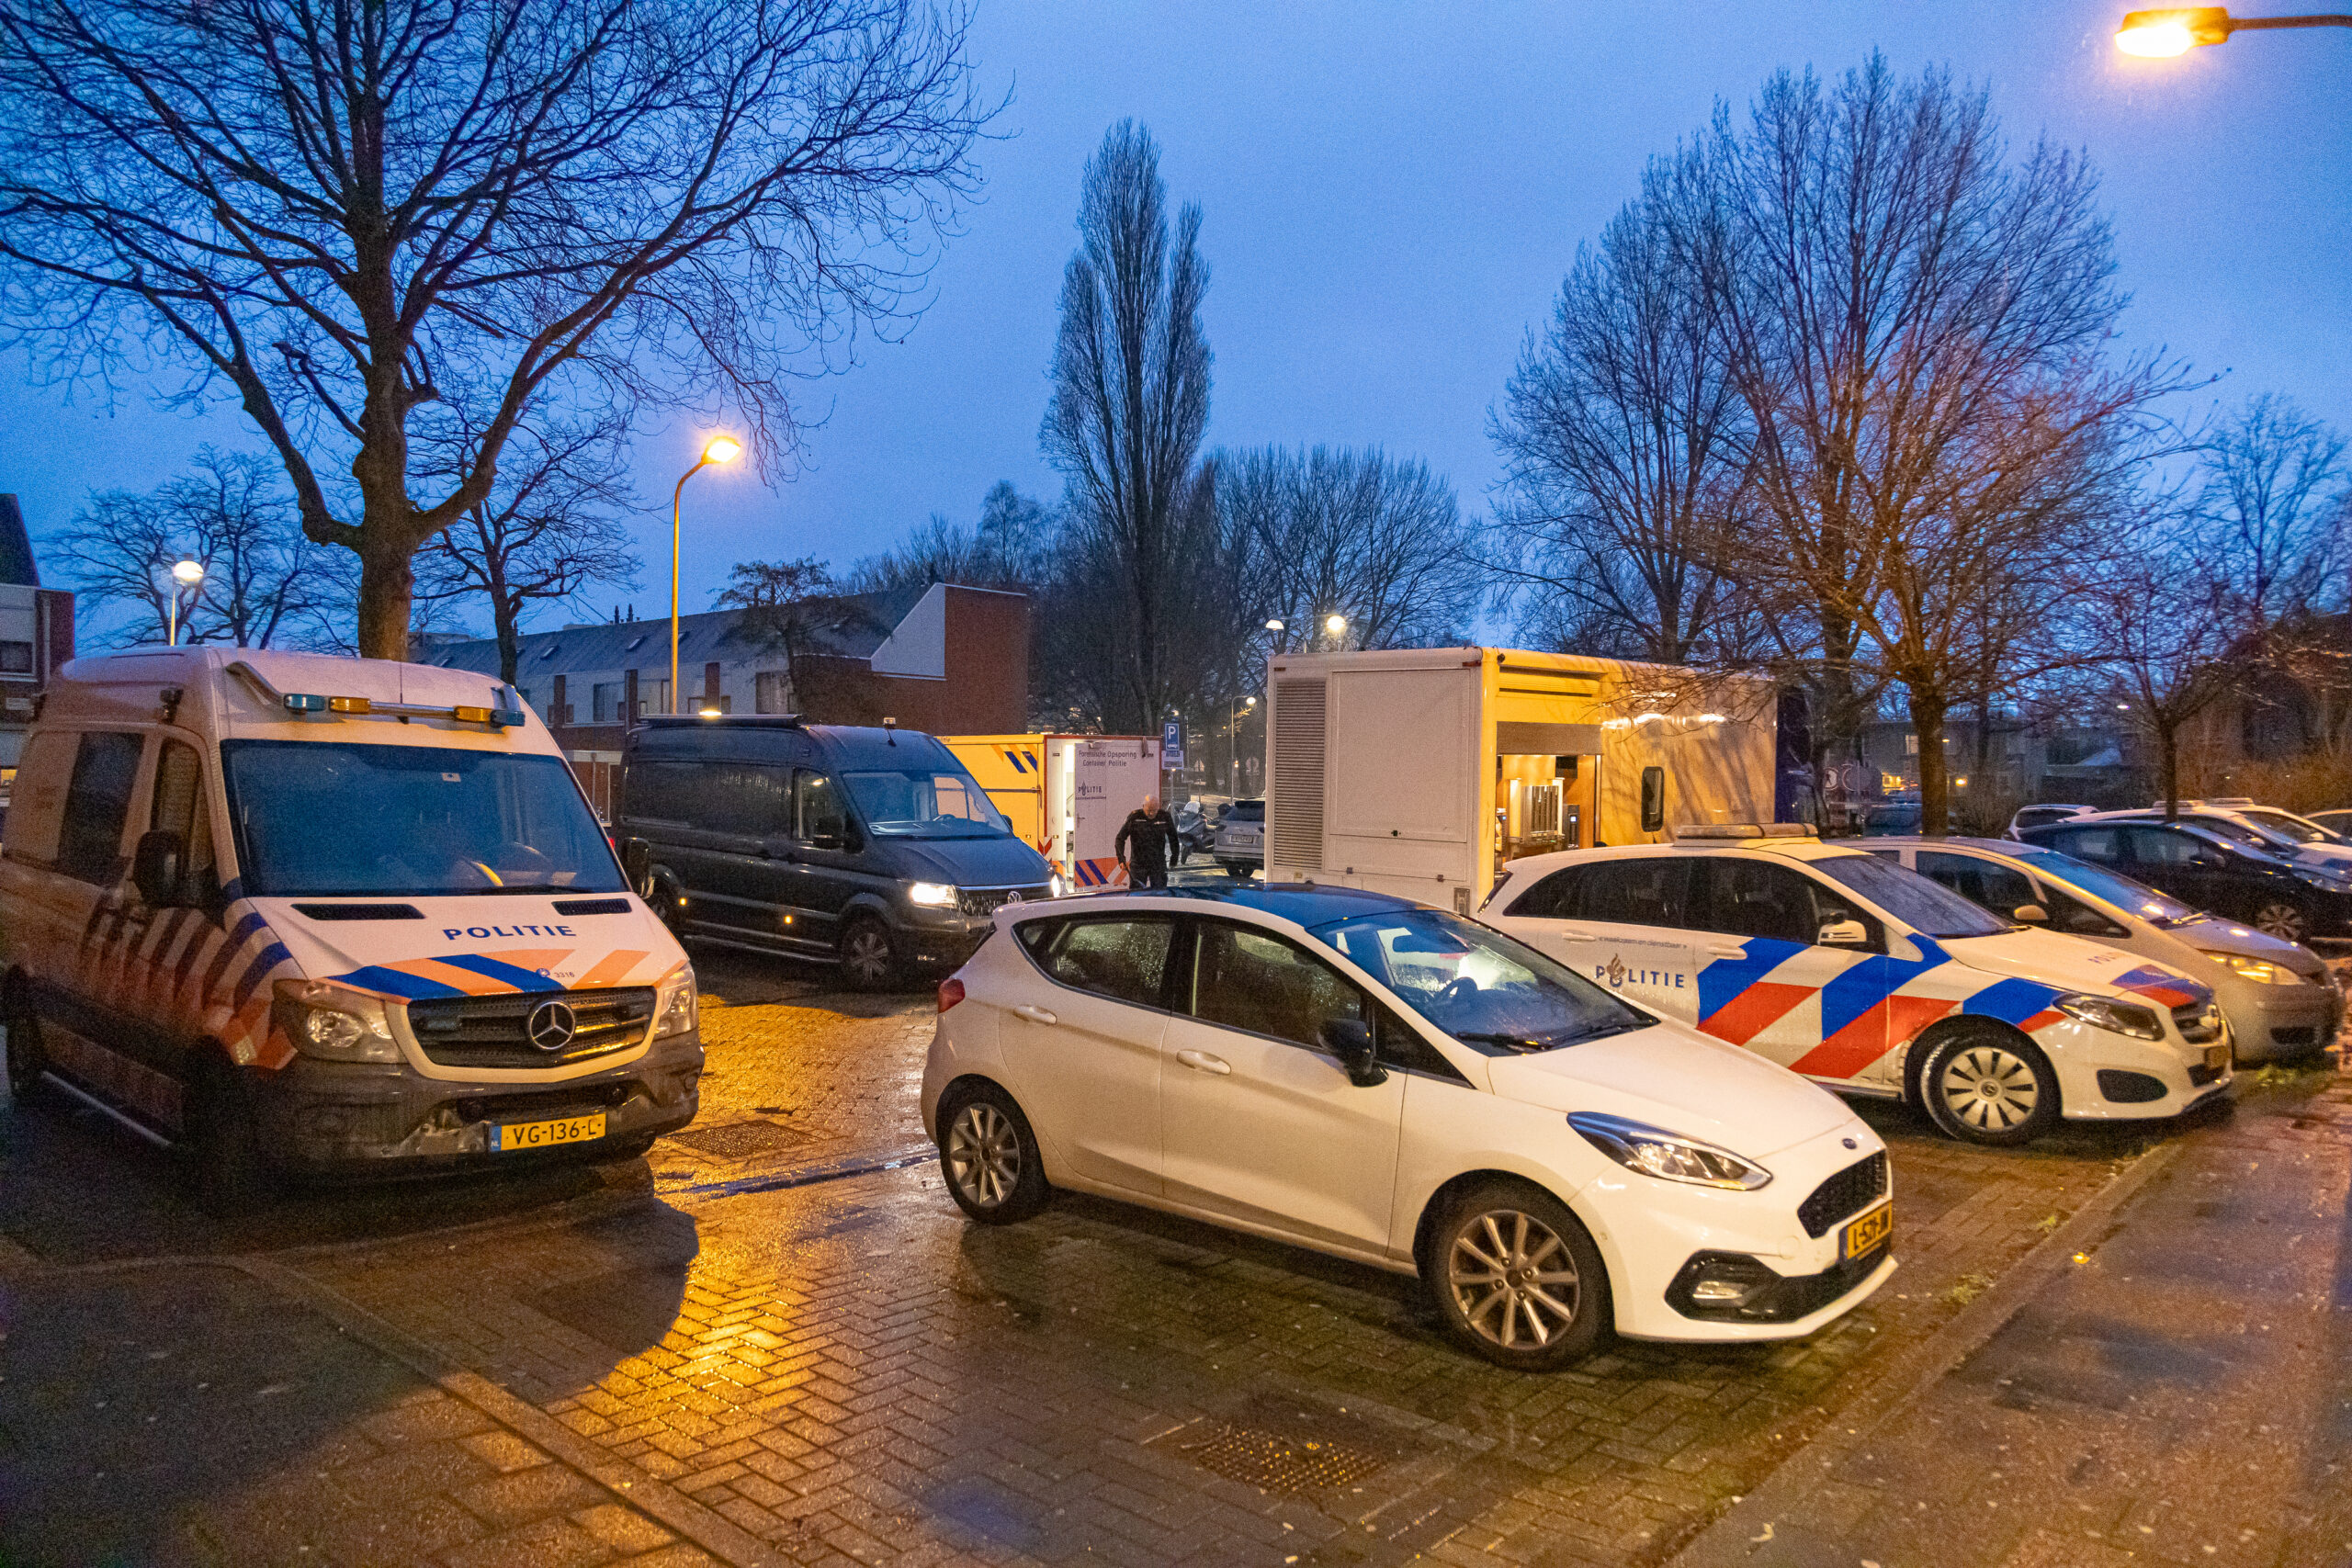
x: 502, y: 717
x: 1741, y: 831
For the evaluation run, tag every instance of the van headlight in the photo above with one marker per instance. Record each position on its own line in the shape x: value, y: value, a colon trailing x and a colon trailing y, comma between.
x: 1670, y: 1157
x: 2106, y: 1012
x: 2261, y: 971
x: 334, y: 1023
x: 674, y: 1002
x: 931, y: 895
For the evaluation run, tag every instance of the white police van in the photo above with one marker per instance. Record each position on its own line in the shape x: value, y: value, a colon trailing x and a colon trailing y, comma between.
x: 1872, y: 979
x: 329, y: 916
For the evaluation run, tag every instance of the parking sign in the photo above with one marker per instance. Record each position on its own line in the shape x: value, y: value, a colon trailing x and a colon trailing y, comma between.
x: 1171, y: 745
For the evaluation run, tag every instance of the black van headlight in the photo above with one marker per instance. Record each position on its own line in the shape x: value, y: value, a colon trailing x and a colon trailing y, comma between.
x: 931, y: 894
x: 334, y: 1023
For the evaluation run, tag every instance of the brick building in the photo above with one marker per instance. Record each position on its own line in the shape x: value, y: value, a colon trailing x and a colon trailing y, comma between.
x: 36, y: 635
x: 941, y: 659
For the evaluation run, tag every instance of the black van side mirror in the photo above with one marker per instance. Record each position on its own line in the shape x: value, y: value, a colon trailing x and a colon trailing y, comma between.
x: 1350, y: 1040
x: 155, y: 868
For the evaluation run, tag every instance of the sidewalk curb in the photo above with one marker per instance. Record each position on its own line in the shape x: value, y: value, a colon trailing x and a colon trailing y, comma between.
x: 1731, y: 1539
x: 712, y: 1531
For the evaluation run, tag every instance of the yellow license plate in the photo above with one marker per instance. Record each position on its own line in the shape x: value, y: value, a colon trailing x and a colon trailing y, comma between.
x: 2217, y: 1058
x: 1869, y: 1232
x: 505, y: 1137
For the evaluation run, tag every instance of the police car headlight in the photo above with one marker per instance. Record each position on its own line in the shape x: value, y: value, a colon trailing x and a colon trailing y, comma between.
x: 1670, y: 1157
x: 674, y: 1002
x: 2106, y: 1012
x: 2261, y: 971
x: 335, y: 1023
x: 931, y: 895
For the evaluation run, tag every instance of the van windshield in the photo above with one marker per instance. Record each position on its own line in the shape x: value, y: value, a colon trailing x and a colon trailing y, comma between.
x: 325, y: 818
x: 926, y: 803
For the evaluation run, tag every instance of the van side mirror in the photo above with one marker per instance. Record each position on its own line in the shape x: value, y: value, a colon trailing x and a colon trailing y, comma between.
x: 155, y: 868
x: 1844, y: 934
x: 637, y: 863
x: 1350, y: 1040
x: 2030, y: 915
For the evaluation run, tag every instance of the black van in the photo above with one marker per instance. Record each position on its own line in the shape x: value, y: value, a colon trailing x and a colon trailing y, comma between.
x: 873, y: 847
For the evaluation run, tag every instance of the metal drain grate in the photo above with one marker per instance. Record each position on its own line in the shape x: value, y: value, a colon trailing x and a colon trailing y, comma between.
x: 740, y: 1140
x: 1274, y: 1463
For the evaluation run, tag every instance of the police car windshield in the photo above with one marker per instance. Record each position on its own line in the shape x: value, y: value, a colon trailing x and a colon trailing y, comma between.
x: 926, y: 803
x: 1929, y: 907
x: 329, y: 819
x: 2157, y: 909
x: 1495, y: 995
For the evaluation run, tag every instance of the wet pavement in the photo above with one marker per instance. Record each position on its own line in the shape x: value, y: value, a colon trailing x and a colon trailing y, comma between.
x: 780, y: 1336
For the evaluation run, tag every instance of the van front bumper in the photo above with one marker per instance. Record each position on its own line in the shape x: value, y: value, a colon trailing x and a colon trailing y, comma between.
x: 368, y: 1118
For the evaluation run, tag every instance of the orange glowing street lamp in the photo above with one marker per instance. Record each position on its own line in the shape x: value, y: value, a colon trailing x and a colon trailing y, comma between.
x: 717, y: 449
x: 2158, y: 35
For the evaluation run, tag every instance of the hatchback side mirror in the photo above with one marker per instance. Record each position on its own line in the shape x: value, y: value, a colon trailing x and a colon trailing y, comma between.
x: 1350, y: 1040
x: 155, y: 868
x: 1844, y: 934
x: 2030, y: 915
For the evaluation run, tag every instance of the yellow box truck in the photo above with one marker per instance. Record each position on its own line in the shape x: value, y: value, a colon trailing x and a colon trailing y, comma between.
x: 1066, y: 793
x: 1421, y: 771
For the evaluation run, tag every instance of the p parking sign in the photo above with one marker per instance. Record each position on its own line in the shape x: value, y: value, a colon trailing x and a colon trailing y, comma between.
x: 1171, y: 745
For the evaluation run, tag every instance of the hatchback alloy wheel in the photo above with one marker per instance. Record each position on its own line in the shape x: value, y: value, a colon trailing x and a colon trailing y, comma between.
x: 2282, y: 920
x: 984, y: 1154
x: 1514, y: 1279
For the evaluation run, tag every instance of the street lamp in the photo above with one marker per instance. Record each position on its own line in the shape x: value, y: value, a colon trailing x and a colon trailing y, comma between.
x: 2159, y: 35
x: 1335, y: 627
x: 717, y: 449
x: 186, y: 574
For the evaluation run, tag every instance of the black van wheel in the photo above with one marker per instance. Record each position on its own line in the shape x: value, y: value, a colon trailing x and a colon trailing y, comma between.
x: 26, y: 1061
x: 869, y: 958
x: 230, y: 1176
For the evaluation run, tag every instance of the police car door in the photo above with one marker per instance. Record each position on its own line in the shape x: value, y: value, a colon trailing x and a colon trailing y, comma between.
x: 1765, y: 980
x: 1618, y: 923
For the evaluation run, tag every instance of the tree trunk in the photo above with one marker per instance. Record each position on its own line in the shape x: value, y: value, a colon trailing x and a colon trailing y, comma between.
x: 386, y: 581
x: 510, y: 638
x: 2168, y: 747
x: 1927, y: 713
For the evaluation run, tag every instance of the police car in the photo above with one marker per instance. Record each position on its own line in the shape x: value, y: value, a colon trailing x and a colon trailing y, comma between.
x: 1870, y: 979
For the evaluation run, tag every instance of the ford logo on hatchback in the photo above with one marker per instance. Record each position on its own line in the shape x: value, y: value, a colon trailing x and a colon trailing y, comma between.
x: 552, y: 1025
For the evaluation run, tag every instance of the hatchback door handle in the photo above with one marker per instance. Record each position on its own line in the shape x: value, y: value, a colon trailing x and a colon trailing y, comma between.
x: 1035, y: 1015
x: 1205, y: 1062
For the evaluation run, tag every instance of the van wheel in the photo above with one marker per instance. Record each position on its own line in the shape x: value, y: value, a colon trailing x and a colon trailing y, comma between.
x: 667, y: 898
x: 990, y: 1156
x: 869, y: 958
x: 1516, y: 1277
x: 1987, y: 1085
x: 230, y: 1176
x: 26, y: 1061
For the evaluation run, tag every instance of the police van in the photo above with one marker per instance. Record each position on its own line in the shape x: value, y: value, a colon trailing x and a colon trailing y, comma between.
x: 304, y: 914
x: 1872, y: 979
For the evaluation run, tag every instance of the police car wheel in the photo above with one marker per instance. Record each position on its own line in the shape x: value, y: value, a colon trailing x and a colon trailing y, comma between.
x: 1988, y: 1085
x: 232, y: 1178
x: 1516, y: 1278
x: 989, y: 1156
x: 24, y: 1059
x: 2282, y: 920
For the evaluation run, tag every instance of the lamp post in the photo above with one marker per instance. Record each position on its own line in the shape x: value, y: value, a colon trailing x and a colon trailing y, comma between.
x: 2159, y: 35
x: 186, y: 574
x: 717, y: 449
x: 1335, y: 626
x: 1233, y: 747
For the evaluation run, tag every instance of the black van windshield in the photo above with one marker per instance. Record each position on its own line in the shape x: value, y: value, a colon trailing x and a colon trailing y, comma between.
x: 925, y: 803
x: 323, y: 819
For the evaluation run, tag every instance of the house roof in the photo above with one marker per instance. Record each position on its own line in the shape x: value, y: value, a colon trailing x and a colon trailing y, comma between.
x: 713, y: 636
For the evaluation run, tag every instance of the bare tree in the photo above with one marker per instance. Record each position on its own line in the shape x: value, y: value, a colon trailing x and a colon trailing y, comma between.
x: 2167, y: 627
x: 1619, y: 433
x: 1130, y: 400
x: 1915, y: 325
x: 1008, y: 548
x: 546, y: 529
x: 1376, y: 539
x: 794, y: 609
x: 337, y: 208
x: 263, y: 580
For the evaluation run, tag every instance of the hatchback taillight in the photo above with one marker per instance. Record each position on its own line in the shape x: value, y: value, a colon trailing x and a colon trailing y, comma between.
x: 951, y: 991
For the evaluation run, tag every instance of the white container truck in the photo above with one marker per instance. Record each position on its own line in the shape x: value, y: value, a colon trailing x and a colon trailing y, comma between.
x: 1421, y: 771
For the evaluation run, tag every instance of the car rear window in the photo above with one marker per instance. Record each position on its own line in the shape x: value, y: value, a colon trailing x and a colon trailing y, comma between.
x: 1124, y: 958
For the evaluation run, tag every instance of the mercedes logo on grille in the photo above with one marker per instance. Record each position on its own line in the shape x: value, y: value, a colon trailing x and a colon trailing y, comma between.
x: 551, y: 1025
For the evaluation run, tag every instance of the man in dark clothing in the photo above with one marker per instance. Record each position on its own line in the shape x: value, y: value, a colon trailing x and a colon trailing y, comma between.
x: 1147, y: 840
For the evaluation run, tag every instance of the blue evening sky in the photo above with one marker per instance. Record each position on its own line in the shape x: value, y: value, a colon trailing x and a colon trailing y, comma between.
x: 1392, y: 192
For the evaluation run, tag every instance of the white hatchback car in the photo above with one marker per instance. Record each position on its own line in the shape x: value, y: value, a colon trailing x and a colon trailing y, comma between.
x: 1370, y: 1077
x: 1873, y: 979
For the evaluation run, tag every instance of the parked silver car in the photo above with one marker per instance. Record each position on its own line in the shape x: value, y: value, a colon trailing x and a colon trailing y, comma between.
x: 1240, y: 845
x: 2279, y: 998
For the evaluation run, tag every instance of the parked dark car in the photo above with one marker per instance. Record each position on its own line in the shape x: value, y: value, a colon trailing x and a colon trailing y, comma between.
x: 2208, y: 872
x: 872, y: 847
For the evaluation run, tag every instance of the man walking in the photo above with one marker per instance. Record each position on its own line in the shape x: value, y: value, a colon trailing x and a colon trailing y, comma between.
x: 1147, y: 840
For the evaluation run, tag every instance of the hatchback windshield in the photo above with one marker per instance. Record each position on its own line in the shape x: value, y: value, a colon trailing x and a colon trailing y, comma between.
x: 926, y: 803
x: 2157, y: 909
x: 1929, y: 907
x: 318, y: 818
x: 1477, y: 985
